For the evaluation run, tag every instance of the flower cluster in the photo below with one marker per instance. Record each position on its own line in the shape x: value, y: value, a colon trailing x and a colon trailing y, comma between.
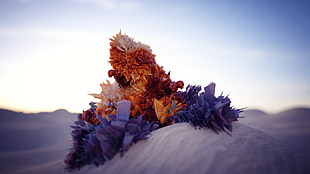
x: 141, y: 99
x: 139, y: 79
x: 97, y: 142
x: 205, y: 110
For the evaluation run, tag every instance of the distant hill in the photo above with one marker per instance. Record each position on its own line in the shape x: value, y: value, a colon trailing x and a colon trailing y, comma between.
x: 4, y: 113
x: 253, y: 113
x: 35, y: 134
x: 35, y: 126
x: 291, y: 127
x: 294, y: 113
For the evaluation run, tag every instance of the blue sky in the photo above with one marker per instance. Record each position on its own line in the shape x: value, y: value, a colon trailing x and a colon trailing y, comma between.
x: 53, y: 53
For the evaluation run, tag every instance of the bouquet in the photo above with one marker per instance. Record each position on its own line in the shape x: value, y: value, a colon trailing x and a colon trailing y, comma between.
x: 141, y: 99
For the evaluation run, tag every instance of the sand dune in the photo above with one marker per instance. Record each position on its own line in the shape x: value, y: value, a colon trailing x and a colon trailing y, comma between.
x: 181, y: 148
x: 28, y: 140
x: 37, y: 143
x: 291, y: 128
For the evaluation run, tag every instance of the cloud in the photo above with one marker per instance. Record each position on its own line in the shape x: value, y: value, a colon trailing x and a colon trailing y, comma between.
x: 113, y: 5
x: 237, y: 52
x: 48, y: 33
x: 11, y: 32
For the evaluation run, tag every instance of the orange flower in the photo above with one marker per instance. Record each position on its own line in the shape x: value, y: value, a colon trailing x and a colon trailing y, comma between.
x: 165, y: 108
x: 139, y: 79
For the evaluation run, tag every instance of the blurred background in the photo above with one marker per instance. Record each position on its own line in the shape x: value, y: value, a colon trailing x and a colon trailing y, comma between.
x: 55, y: 52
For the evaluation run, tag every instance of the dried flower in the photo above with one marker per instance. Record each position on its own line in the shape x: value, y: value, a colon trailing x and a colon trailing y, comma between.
x: 140, y: 78
x: 142, y: 99
x: 97, y: 143
x: 206, y: 110
x: 110, y: 94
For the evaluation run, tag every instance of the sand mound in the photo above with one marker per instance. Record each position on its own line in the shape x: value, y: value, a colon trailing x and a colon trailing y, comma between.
x: 181, y: 148
x: 290, y: 128
x: 32, y: 140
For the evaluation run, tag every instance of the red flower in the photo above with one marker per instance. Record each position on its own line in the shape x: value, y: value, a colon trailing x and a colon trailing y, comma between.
x: 90, y: 116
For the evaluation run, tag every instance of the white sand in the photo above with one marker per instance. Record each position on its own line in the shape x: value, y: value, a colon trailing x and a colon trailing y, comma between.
x: 181, y: 148
x: 291, y: 128
x: 178, y: 148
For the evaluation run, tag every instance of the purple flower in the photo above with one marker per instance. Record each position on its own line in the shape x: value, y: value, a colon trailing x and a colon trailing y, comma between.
x: 205, y: 110
x: 97, y: 143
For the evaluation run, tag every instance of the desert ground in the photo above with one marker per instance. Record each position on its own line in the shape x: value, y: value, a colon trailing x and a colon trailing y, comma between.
x: 259, y: 143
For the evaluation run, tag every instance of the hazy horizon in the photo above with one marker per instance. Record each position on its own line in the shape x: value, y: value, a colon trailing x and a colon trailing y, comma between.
x: 54, y: 53
x: 243, y: 109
